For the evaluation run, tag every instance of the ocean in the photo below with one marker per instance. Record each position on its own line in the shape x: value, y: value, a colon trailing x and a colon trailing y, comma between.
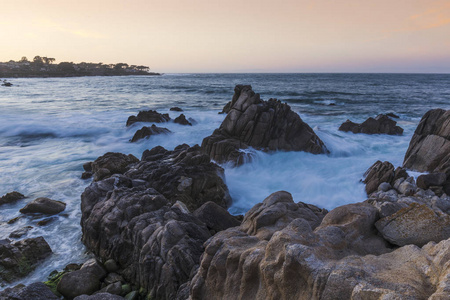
x: 49, y: 127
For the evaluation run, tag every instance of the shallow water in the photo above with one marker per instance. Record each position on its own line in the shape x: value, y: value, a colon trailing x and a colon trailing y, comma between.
x: 50, y: 127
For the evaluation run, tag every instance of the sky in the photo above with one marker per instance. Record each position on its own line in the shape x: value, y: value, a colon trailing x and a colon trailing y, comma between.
x: 174, y: 36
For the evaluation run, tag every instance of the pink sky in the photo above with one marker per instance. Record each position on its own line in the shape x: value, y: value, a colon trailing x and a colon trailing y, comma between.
x: 234, y: 36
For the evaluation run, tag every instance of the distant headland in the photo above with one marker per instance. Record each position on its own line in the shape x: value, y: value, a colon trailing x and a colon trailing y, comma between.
x: 45, y: 67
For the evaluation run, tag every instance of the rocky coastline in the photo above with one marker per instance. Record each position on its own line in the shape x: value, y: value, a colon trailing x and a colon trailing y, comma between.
x: 159, y: 228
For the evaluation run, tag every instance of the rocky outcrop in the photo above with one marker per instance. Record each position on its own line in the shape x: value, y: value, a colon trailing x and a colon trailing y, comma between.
x: 151, y: 116
x: 45, y: 206
x: 34, y: 291
x: 279, y: 254
x: 111, y: 163
x: 146, y: 132
x: 20, y: 258
x: 215, y: 217
x: 429, y: 149
x: 181, y: 119
x: 381, y: 124
x: 381, y: 172
x: 11, y: 197
x: 175, y: 108
x: 265, y: 125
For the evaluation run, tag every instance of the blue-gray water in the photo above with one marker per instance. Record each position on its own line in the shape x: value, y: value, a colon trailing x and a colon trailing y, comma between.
x: 50, y: 127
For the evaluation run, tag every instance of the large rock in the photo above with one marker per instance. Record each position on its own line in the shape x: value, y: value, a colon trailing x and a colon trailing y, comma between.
x: 20, y: 258
x: 215, y: 217
x: 76, y: 283
x: 429, y: 149
x: 266, y: 125
x: 151, y: 116
x: 11, y: 197
x: 34, y: 291
x: 112, y: 163
x: 381, y: 172
x: 45, y: 206
x: 342, y: 258
x: 181, y: 119
x: 382, y: 124
x: 146, y: 132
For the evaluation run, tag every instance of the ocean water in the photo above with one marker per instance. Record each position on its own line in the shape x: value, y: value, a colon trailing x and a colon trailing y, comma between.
x: 50, y: 126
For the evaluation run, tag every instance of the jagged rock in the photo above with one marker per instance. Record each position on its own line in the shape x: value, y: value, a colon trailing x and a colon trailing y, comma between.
x: 215, y: 217
x: 20, y: 232
x: 381, y: 124
x: 87, y: 166
x: 34, y: 291
x: 415, y: 224
x: 181, y: 119
x: 45, y: 206
x: 20, y: 258
x: 146, y: 132
x: 342, y: 258
x: 434, y: 179
x: 112, y: 163
x: 429, y: 149
x: 176, y: 108
x: 392, y: 115
x: 266, y: 125
x: 11, y: 197
x: 151, y: 116
x: 381, y: 172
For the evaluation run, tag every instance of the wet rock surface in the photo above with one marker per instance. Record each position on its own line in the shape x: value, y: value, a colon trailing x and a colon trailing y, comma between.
x: 45, y: 206
x: 382, y: 172
x: 11, y: 197
x: 34, y: 291
x: 181, y: 119
x: 146, y: 132
x: 175, y: 108
x: 150, y: 116
x: 266, y: 125
x: 112, y: 163
x: 381, y: 124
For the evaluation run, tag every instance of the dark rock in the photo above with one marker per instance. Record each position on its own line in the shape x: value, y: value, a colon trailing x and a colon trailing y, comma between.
x: 100, y: 296
x: 44, y: 206
x: 14, y: 220
x: 415, y: 224
x: 111, y: 265
x: 392, y: 115
x: 181, y: 119
x: 46, y: 221
x: 175, y: 109
x: 433, y: 179
x: 88, y: 166
x: 76, y: 283
x: 146, y: 132
x: 20, y: 258
x: 86, y: 175
x: 266, y: 125
x: 132, y: 295
x: 114, y: 163
x: 215, y: 217
x: 20, y: 232
x: 429, y: 149
x: 381, y: 124
x: 34, y: 291
x: 378, y: 173
x: 11, y: 197
x: 113, y: 278
x: 113, y: 288
x: 151, y: 116
x: 94, y: 267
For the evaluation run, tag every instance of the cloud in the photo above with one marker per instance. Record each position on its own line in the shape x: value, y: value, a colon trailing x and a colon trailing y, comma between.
x: 74, y: 31
x: 428, y: 19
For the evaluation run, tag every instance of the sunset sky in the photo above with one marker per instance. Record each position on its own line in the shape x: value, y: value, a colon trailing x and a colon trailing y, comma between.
x: 233, y: 36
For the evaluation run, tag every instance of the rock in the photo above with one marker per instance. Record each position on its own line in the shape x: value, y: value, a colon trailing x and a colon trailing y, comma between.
x: 392, y: 115
x: 265, y: 125
x: 215, y: 217
x: 181, y: 119
x: 146, y: 132
x: 86, y: 175
x: 88, y: 166
x: 151, y: 116
x: 76, y: 283
x: 415, y: 224
x: 113, y: 288
x: 132, y: 295
x: 111, y: 266
x: 44, y: 206
x: 46, y: 221
x: 100, y: 296
x: 175, y: 109
x: 11, y: 197
x: 342, y: 258
x: 20, y: 232
x: 433, y: 179
x: 112, y: 163
x: 94, y: 267
x: 429, y: 149
x: 382, y: 124
x: 34, y: 291
x: 406, y: 188
x: 20, y: 258
x: 113, y: 278
x: 378, y: 173
x: 384, y: 186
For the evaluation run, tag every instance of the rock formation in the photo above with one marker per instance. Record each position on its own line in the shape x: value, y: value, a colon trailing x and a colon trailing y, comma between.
x: 34, y: 291
x: 175, y: 108
x: 381, y: 172
x: 146, y: 132
x: 381, y: 124
x: 11, y: 197
x: 45, y: 206
x: 181, y: 119
x: 266, y: 125
x: 151, y: 116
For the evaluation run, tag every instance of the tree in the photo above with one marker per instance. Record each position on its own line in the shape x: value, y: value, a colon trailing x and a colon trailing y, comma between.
x: 23, y: 59
x: 38, y: 60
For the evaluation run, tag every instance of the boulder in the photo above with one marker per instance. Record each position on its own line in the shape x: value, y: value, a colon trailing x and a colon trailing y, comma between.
x: 342, y: 258
x: 45, y: 206
x: 175, y: 108
x: 11, y: 197
x: 100, y: 296
x: 112, y: 163
x: 151, y: 116
x: 382, y: 124
x: 215, y: 217
x: 429, y: 149
x: 18, y: 259
x: 181, y: 119
x: 34, y: 291
x: 382, y: 172
x: 265, y: 125
x: 146, y: 132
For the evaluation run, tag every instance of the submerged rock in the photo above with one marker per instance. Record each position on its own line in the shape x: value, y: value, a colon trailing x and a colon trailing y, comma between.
x: 181, y: 119
x: 146, y: 132
x: 151, y: 116
x: 381, y: 124
x: 11, y: 197
x: 175, y: 108
x: 45, y: 206
x: 266, y: 125
x: 18, y: 259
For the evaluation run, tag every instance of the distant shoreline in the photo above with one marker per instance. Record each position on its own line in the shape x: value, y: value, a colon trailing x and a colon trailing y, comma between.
x: 10, y: 76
